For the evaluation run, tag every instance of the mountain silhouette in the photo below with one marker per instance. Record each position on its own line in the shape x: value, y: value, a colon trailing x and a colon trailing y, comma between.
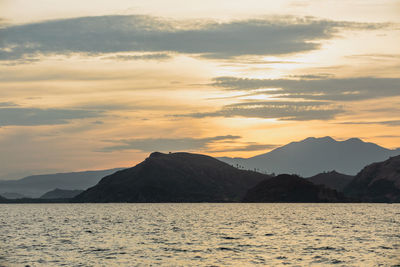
x: 291, y: 188
x: 315, y: 155
x: 174, y: 177
x: 377, y: 182
x: 9, y: 195
x: 3, y: 199
x: 37, y: 185
x: 332, y: 179
x: 61, y: 193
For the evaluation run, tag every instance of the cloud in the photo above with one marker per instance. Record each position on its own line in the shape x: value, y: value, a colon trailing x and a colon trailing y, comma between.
x: 248, y: 147
x: 152, y: 56
x: 387, y: 123
x: 387, y: 136
x: 36, y: 116
x: 7, y: 104
x: 138, y: 33
x: 281, y: 110
x: 64, y: 75
x: 313, y: 76
x: 3, y: 22
x: 167, y: 144
x: 317, y: 88
x: 377, y: 57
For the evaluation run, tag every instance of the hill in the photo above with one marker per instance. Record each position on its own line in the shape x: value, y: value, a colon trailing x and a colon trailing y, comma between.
x: 61, y: 193
x: 315, y: 155
x: 291, y: 188
x: 3, y: 200
x: 333, y: 179
x: 9, y: 195
x: 37, y: 185
x: 377, y: 182
x: 175, y: 177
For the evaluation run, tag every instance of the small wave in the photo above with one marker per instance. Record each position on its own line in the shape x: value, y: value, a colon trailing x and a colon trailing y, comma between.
x: 230, y: 237
x: 65, y: 241
x: 325, y: 248
x: 175, y: 249
x: 100, y: 249
x: 228, y: 249
x: 335, y: 261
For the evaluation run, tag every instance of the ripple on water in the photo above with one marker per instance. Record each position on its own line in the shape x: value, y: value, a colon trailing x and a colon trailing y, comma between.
x: 200, y: 234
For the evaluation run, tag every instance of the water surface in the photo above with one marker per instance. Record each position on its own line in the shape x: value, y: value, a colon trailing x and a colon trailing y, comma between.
x: 199, y: 234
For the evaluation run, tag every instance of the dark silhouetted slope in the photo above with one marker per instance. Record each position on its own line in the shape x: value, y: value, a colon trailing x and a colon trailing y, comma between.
x: 315, y: 155
x: 291, y: 188
x: 377, y: 182
x: 37, y: 185
x: 61, y: 193
x: 176, y: 177
x: 333, y: 179
x: 3, y: 200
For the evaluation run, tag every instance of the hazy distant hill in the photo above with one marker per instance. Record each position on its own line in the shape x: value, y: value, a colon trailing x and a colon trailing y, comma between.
x: 9, y: 195
x: 291, y: 188
x: 333, y: 179
x: 176, y: 177
x: 37, y: 185
x: 61, y: 193
x: 315, y: 155
x: 377, y: 182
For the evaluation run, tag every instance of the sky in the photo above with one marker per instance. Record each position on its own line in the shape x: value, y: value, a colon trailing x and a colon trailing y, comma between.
x: 98, y: 84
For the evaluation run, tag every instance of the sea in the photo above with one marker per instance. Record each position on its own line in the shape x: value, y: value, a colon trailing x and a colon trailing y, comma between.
x: 203, y: 234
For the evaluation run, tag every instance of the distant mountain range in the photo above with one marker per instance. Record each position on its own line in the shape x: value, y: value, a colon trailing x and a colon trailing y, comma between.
x: 174, y: 177
x: 316, y: 155
x: 61, y: 193
x: 37, y: 185
x: 12, y: 195
x: 186, y: 177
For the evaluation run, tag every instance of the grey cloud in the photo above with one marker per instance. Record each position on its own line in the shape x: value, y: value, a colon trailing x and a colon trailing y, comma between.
x: 313, y: 76
x: 388, y: 136
x: 25, y: 59
x: 137, y: 33
x: 117, y: 106
x: 344, y: 89
x: 56, y: 75
x: 152, y: 56
x: 36, y: 116
x: 167, y: 144
x: 3, y: 22
x: 254, y: 60
x: 7, y: 104
x: 248, y: 147
x: 387, y: 123
x: 376, y: 56
x: 282, y: 110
